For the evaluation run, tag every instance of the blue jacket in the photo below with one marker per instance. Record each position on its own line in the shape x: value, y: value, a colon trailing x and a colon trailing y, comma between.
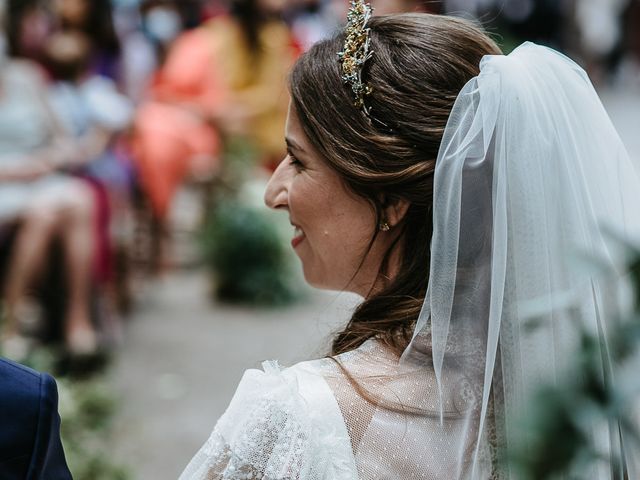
x: 30, y: 447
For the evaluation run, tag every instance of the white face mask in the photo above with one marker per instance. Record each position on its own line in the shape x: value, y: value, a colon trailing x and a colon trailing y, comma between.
x: 163, y: 24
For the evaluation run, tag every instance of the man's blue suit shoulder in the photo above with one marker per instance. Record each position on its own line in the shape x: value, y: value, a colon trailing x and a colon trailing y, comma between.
x: 30, y: 446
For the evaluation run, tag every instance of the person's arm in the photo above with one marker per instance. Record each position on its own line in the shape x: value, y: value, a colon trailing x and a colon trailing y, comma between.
x: 60, y: 151
x: 23, y: 168
x: 47, y: 460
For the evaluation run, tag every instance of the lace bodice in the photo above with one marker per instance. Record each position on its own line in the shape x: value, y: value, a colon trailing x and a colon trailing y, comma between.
x: 312, y: 421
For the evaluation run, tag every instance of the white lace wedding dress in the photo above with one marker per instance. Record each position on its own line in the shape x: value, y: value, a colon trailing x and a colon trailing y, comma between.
x: 310, y: 422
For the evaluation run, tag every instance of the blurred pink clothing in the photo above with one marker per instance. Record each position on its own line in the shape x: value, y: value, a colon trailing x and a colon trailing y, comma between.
x: 172, y: 128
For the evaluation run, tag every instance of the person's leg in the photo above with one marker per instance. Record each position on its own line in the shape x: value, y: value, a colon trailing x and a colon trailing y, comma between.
x: 79, y: 239
x: 66, y: 210
x: 36, y: 230
x: 162, y: 162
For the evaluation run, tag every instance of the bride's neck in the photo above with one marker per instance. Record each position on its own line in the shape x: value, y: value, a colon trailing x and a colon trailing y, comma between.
x: 374, y: 276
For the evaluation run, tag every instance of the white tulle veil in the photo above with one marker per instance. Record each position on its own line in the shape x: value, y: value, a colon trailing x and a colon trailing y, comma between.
x: 531, y: 177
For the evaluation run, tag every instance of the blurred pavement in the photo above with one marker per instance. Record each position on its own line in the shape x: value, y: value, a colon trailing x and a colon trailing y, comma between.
x: 183, y: 355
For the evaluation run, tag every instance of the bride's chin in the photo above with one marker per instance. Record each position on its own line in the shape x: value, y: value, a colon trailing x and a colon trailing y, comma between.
x: 317, y: 281
x: 323, y: 284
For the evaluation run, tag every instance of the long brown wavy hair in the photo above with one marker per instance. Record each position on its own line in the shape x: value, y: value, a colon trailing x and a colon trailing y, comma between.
x: 420, y: 62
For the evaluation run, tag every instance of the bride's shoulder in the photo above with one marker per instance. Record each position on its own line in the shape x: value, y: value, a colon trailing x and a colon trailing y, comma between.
x: 282, y: 422
x: 279, y: 420
x: 308, y: 381
x: 277, y: 387
x: 296, y: 395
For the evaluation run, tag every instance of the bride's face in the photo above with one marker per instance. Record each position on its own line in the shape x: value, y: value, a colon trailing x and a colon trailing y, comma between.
x: 332, y: 227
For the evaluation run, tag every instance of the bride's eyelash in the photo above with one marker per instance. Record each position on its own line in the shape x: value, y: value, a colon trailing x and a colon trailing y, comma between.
x: 294, y: 161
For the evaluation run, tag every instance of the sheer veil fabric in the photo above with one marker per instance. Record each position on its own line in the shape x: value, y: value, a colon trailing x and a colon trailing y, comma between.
x: 530, y: 177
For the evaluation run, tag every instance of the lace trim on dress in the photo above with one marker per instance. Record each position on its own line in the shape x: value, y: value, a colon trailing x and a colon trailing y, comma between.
x: 280, y: 425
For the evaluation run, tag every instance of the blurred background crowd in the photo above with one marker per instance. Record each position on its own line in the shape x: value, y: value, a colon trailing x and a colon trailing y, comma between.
x: 110, y: 108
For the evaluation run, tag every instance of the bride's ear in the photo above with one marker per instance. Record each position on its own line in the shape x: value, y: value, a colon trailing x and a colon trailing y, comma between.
x: 395, y: 210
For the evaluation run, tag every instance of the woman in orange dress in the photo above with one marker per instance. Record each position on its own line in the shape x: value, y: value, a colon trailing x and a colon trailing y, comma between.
x: 226, y: 77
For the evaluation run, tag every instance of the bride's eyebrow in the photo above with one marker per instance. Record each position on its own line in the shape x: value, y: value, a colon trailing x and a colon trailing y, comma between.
x: 293, y: 145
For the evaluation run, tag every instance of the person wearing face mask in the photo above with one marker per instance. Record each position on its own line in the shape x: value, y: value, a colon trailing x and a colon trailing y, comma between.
x: 162, y: 25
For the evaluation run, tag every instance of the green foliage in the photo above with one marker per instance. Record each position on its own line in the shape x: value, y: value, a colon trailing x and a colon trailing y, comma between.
x: 559, y: 442
x: 242, y: 240
x: 87, y: 408
x: 247, y: 256
x: 240, y: 159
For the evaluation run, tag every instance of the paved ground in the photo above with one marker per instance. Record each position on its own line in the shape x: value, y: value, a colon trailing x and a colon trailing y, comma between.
x: 184, y: 355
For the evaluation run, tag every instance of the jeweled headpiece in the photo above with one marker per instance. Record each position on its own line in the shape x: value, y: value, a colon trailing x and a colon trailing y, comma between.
x: 356, y: 51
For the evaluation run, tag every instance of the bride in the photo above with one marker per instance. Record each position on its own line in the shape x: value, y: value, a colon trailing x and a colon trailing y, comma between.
x: 453, y: 188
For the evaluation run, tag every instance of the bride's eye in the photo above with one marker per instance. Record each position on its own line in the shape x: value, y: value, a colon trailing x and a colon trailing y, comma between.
x: 299, y: 166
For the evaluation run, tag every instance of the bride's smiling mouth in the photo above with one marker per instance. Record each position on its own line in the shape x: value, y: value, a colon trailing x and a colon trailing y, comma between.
x: 298, y: 236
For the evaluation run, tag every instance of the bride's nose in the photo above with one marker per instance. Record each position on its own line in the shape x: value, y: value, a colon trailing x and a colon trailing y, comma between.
x: 277, y: 193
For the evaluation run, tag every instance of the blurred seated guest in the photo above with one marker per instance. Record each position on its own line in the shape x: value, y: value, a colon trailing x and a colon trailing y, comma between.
x: 94, y: 100
x: 94, y: 18
x: 254, y: 50
x: 27, y: 28
x: 173, y: 137
x: 44, y: 202
x: 226, y: 77
x: 93, y: 111
x: 162, y: 24
x: 173, y: 134
x: 30, y: 445
x: 138, y: 53
x: 311, y: 21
